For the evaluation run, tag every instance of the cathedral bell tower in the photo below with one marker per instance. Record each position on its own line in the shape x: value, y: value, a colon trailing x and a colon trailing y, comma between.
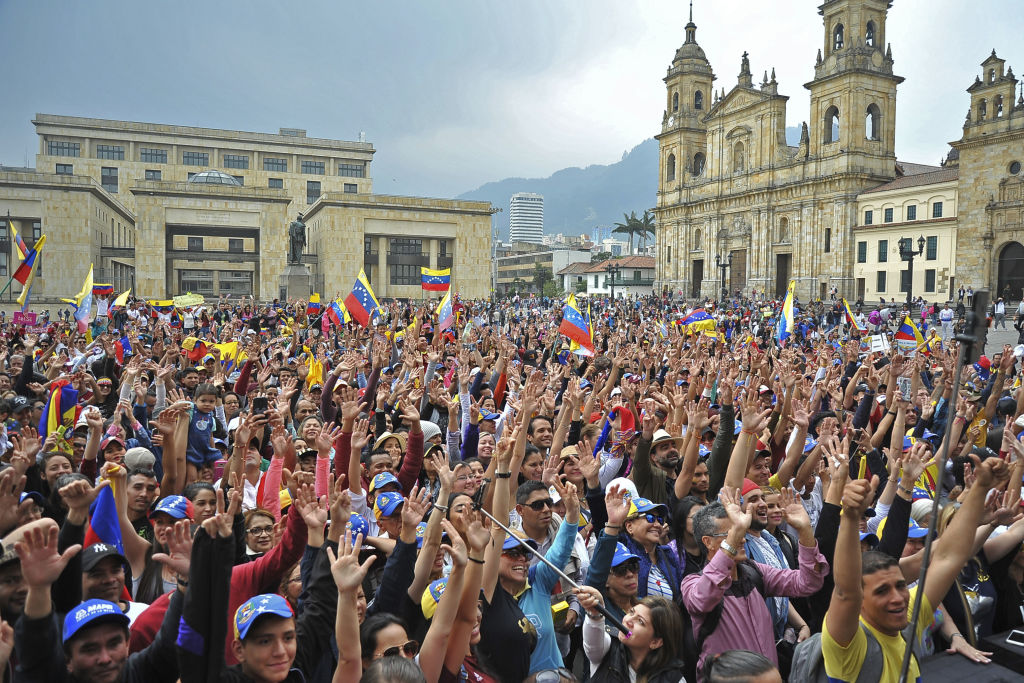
x: 853, y: 94
x: 682, y: 142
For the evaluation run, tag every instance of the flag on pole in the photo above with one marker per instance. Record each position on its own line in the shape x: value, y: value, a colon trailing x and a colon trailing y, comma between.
x: 361, y: 302
x: 337, y: 313
x: 82, y: 303
x: 19, y: 244
x: 313, y: 307
x: 121, y: 301
x: 436, y: 280
x: 445, y: 315
x: 26, y: 291
x: 104, y: 526
x: 786, y: 325
x: 25, y: 268
x: 908, y: 337
x: 849, y: 317
x: 574, y: 326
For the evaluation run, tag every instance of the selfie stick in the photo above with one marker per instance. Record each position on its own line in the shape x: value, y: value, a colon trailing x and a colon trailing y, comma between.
x: 599, y: 607
x: 972, y: 334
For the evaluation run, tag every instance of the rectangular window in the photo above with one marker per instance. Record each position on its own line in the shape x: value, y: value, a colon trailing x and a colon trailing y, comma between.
x: 235, y: 282
x: 442, y: 247
x: 313, y: 167
x: 883, y: 251
x: 108, y: 178
x: 405, y: 275
x: 351, y: 188
x: 312, y: 191
x: 352, y: 169
x: 862, y: 252
x: 931, y: 251
x: 905, y: 281
x: 368, y: 245
x: 195, y: 243
x: 37, y: 231
x: 236, y: 161
x: 880, y: 281
x: 195, y: 158
x: 277, y: 183
x: 828, y: 240
x: 153, y: 155
x: 191, y: 175
x: 937, y: 210
x: 59, y: 148
x: 115, y: 152
x: 196, y: 281
x: 929, y: 280
x: 888, y: 215
x: 64, y: 169
x: 868, y: 217
x: 273, y: 164
x: 240, y: 179
x: 235, y: 245
x: 912, y: 212
x: 153, y: 174
x: 405, y: 245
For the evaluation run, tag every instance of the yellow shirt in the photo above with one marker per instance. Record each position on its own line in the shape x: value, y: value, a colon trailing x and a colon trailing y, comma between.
x: 843, y: 664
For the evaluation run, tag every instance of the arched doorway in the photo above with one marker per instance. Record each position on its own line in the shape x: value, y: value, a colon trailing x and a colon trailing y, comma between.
x: 1011, y: 270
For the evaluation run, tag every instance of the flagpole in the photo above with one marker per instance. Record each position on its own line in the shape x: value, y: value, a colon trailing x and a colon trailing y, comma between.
x: 6, y: 286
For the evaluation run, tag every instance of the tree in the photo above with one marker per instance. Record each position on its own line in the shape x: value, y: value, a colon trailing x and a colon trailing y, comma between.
x: 630, y: 228
x: 646, y: 227
x: 551, y: 289
x: 600, y: 256
x: 541, y: 276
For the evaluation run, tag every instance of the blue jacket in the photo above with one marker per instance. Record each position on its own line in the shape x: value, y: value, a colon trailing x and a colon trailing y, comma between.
x: 535, y: 601
x: 667, y: 562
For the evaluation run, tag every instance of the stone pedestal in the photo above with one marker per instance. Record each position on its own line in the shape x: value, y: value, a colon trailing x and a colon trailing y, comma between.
x: 296, y: 282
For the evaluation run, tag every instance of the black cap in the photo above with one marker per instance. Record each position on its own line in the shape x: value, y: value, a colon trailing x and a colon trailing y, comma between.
x: 99, y: 551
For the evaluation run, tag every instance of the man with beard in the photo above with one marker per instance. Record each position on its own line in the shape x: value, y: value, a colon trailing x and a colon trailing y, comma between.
x: 763, y: 548
x: 656, y: 464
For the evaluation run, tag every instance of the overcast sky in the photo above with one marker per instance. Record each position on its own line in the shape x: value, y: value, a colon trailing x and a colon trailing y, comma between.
x: 455, y: 93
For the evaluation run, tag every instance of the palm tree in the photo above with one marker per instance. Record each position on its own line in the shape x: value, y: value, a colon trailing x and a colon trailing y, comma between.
x: 630, y: 228
x: 646, y: 227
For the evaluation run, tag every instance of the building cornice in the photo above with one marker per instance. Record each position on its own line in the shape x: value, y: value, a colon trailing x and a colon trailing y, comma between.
x: 161, y: 188
x: 64, y: 183
x: 399, y: 203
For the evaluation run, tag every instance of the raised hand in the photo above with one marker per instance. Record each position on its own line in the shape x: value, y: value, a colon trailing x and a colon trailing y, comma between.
x: 345, y: 568
x: 857, y: 496
x: 478, y: 533
x: 738, y: 517
x: 179, y: 549
x: 794, y: 511
x: 456, y: 547
x: 616, y: 505
x: 445, y: 474
x: 415, y: 507
x: 325, y: 439
x: 41, y: 563
x: 360, y: 435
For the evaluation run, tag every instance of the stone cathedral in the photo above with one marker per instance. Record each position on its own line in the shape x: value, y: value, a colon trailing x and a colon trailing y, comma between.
x: 732, y: 192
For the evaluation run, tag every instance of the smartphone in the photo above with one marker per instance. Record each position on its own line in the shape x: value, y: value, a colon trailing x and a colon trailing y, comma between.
x: 218, y: 469
x: 1016, y: 637
x: 903, y: 383
x: 259, y: 404
x: 882, y: 362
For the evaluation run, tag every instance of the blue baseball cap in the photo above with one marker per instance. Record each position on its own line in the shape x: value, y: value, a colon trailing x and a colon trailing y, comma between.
x: 914, y: 530
x: 357, y: 524
x: 178, y: 507
x: 869, y: 537
x: 254, y: 608
x: 809, y: 444
x: 490, y: 416
x: 516, y: 541
x: 432, y: 596
x: 36, y: 497
x: 386, y: 504
x: 622, y: 554
x: 90, y: 613
x: 639, y: 506
x: 382, y: 480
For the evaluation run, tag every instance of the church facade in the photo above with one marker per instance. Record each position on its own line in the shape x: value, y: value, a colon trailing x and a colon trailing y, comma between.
x: 739, y: 209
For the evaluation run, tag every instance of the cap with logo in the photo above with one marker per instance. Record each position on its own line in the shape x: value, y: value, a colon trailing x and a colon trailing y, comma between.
x: 639, y: 506
x: 383, y: 479
x: 387, y: 503
x: 178, y: 507
x: 622, y: 554
x: 432, y: 596
x: 91, y: 613
x: 92, y: 555
x: 254, y: 608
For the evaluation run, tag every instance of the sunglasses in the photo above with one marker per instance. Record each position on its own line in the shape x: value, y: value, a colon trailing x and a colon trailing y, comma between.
x: 517, y: 553
x: 539, y: 505
x: 409, y: 649
x: 652, y: 519
x: 629, y: 567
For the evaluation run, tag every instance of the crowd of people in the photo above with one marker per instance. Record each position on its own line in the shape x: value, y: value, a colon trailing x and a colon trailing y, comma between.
x: 262, y: 496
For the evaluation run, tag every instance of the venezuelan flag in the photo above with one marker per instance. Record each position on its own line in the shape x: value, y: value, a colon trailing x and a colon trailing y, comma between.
x: 60, y: 409
x: 122, y: 349
x: 436, y: 280
x: 102, y: 290
x: 698, y: 320
x: 574, y: 325
x: 25, y: 268
x: 361, y: 302
x: 908, y: 337
x: 121, y: 301
x: 849, y: 317
x: 786, y: 325
x: 337, y: 313
x: 104, y: 526
x: 83, y: 303
x: 445, y: 316
x: 313, y: 307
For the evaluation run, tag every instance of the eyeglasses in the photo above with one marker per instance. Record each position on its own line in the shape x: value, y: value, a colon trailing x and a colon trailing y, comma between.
x: 630, y: 567
x: 652, y: 519
x: 260, y: 530
x: 409, y: 649
x: 539, y: 505
x: 516, y: 554
x: 718, y: 535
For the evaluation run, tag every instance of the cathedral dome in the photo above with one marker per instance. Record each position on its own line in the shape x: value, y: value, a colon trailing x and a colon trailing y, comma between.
x: 213, y: 177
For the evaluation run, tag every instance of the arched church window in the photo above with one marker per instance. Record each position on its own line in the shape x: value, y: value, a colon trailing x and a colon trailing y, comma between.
x: 737, y: 157
x: 873, y: 123
x: 698, y: 100
x: 783, y: 235
x: 670, y: 168
x: 698, y: 163
x: 831, y: 132
x: 991, y: 75
x: 982, y: 109
x: 998, y: 106
x: 869, y: 34
x: 837, y: 37
x: 696, y: 239
x: 675, y: 101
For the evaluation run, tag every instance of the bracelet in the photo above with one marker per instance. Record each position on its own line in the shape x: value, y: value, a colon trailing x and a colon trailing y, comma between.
x: 442, y: 508
x: 486, y: 480
x: 597, y: 617
x: 955, y: 635
x: 909, y: 492
x: 804, y: 626
x: 473, y: 559
x: 892, y: 412
x: 503, y: 475
x: 613, y: 526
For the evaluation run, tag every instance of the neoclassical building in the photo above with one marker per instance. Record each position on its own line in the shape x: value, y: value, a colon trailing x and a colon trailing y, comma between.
x: 731, y: 190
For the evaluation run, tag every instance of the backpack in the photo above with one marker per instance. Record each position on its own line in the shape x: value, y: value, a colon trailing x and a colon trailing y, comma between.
x: 809, y: 661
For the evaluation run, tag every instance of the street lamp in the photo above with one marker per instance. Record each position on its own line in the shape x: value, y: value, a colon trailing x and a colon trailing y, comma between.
x: 724, y: 265
x: 612, y: 271
x: 907, y: 253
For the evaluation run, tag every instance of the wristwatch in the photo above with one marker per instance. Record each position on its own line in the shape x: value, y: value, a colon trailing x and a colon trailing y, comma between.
x: 729, y: 550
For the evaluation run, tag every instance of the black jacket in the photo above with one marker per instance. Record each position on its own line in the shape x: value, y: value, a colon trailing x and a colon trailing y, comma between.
x: 615, y: 668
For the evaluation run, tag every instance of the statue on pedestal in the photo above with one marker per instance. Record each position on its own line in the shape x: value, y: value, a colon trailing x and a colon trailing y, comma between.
x: 296, y: 240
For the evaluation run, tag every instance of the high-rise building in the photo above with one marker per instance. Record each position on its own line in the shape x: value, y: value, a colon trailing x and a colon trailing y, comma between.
x: 526, y: 218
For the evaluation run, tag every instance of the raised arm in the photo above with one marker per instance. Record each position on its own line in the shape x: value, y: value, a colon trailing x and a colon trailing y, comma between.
x: 843, y: 617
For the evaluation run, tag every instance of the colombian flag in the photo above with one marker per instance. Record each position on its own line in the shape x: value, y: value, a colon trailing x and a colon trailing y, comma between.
x: 19, y: 244
x: 908, y: 337
x: 313, y: 307
x: 60, y: 409
x: 25, y: 269
x: 574, y: 325
x: 361, y: 303
x: 436, y: 280
x: 786, y: 325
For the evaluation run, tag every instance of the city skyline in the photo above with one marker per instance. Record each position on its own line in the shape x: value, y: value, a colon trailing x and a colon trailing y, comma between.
x: 441, y: 98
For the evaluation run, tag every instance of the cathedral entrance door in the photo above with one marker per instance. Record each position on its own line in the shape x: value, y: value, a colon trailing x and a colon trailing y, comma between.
x: 697, y: 277
x: 738, y: 270
x: 783, y: 264
x: 1011, y: 270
